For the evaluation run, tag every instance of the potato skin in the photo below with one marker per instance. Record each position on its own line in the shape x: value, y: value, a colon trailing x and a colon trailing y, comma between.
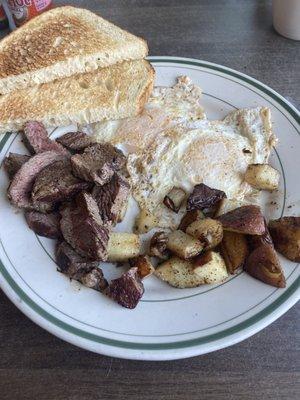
x: 285, y: 233
x: 158, y: 245
x: 234, y: 249
x: 262, y: 176
x: 208, y: 231
x: 265, y: 239
x: 263, y: 264
x: 189, y: 217
x: 246, y: 219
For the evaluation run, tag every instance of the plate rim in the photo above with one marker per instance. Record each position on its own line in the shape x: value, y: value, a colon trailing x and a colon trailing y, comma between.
x: 181, y: 348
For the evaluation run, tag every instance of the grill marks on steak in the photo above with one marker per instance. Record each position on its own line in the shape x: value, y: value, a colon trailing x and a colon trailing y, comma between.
x: 47, y: 225
x: 77, y: 267
x: 57, y: 183
x: 75, y: 141
x: 127, y: 290
x: 36, y: 139
x: 82, y: 227
x: 98, y: 163
x: 13, y: 162
x: 112, y: 199
x: 19, y: 191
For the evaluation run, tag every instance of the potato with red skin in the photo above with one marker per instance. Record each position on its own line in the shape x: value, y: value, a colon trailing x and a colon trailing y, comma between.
x: 234, y: 249
x: 204, y: 197
x: 246, y: 219
x: 174, y: 199
x: 263, y: 264
x: 158, y: 245
x: 190, y: 217
x: 285, y: 233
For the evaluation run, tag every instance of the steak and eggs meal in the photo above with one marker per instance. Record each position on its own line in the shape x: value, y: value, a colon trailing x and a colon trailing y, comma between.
x: 196, y: 181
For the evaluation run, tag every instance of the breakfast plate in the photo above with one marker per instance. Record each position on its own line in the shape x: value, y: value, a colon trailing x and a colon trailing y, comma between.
x: 168, y: 323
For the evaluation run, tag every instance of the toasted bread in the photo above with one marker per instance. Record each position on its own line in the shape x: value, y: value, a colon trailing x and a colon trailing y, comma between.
x: 114, y: 92
x: 62, y: 42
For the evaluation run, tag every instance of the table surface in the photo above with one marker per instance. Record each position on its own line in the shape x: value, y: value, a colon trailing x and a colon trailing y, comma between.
x: 37, y: 365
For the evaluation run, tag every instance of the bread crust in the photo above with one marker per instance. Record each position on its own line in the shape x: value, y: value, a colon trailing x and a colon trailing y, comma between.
x: 62, y: 42
x: 115, y: 92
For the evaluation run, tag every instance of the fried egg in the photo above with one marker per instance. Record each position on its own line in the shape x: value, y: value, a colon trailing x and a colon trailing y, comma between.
x: 166, y: 107
x: 216, y: 153
x: 173, y: 144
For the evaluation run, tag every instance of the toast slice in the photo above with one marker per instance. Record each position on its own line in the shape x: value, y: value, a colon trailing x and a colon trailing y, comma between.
x: 115, y: 92
x: 62, y: 42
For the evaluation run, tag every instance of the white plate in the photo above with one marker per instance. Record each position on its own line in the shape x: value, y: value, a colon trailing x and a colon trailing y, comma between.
x: 168, y: 323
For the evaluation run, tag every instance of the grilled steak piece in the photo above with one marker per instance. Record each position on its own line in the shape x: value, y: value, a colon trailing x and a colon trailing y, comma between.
x: 13, y: 162
x: 36, y: 139
x: 71, y: 263
x: 76, y: 267
x: 57, y: 183
x: 112, y: 199
x: 204, y: 198
x: 19, y: 191
x: 98, y: 163
x: 82, y: 227
x: 44, y: 224
x: 75, y: 141
x: 127, y: 290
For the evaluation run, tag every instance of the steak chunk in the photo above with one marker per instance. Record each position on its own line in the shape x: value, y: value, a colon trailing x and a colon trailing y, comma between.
x: 112, y: 199
x: 19, y: 191
x: 75, y: 141
x: 13, y: 162
x: 36, y: 139
x: 127, y: 290
x: 204, y: 198
x: 98, y: 163
x: 76, y: 267
x: 82, y: 227
x: 56, y: 183
x: 44, y: 224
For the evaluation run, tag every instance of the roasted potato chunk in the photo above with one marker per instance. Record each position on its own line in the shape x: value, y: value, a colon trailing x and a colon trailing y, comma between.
x: 263, y: 264
x: 226, y: 205
x: 246, y: 219
x: 123, y: 246
x: 208, y: 231
x: 262, y: 176
x: 178, y: 273
x: 174, y: 199
x: 189, y: 217
x: 285, y: 233
x: 265, y: 239
x: 143, y: 265
x: 234, y: 249
x: 183, y: 245
x: 145, y: 221
x: 158, y: 245
x: 210, y: 267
